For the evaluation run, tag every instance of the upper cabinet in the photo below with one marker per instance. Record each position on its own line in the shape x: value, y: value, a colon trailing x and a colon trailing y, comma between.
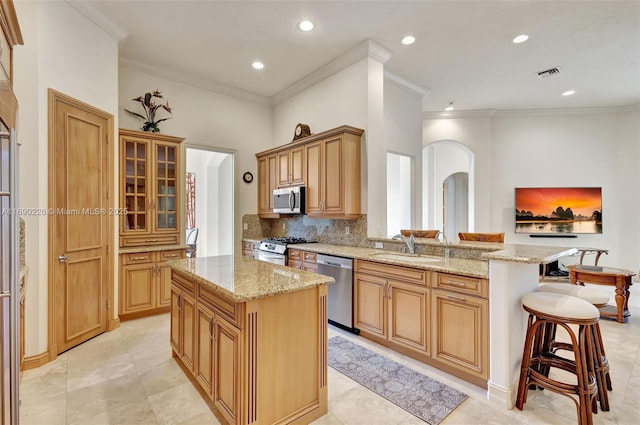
x: 150, y: 188
x: 10, y: 35
x: 327, y: 163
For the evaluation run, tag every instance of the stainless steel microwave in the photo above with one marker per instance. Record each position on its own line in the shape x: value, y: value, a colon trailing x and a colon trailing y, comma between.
x: 289, y: 200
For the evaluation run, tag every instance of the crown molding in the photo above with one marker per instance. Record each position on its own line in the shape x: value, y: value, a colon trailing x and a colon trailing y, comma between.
x: 566, y: 111
x: 405, y: 84
x: 95, y: 14
x: 181, y: 77
x: 443, y: 115
x: 366, y: 49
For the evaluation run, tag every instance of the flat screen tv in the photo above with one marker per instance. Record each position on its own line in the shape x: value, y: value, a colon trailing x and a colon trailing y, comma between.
x: 558, y: 210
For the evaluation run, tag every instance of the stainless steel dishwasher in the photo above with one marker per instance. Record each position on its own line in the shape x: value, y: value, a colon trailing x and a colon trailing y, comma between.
x: 340, y: 299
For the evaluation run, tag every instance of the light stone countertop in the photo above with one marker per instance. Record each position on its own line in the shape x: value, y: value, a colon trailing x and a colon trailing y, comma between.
x: 243, y: 279
x: 529, y: 254
x: 474, y: 268
x: 152, y: 248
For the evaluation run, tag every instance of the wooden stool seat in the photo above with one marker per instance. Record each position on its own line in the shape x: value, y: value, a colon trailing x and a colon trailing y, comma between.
x: 599, y: 299
x: 546, y: 312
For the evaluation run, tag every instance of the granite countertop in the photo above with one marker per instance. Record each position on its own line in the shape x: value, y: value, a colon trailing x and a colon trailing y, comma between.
x: 529, y: 254
x: 243, y: 279
x: 474, y: 268
x: 153, y: 248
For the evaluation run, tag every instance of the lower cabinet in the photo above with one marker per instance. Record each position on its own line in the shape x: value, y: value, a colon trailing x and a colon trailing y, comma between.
x: 439, y: 318
x: 183, y: 323
x: 145, y: 283
x: 250, y: 249
x: 388, y: 307
x: 304, y: 260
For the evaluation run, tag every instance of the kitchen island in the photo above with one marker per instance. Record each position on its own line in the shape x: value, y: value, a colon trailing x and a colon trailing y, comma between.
x: 253, y: 337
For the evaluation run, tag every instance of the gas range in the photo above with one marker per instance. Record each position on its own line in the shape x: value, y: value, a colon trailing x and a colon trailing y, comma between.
x: 274, y: 250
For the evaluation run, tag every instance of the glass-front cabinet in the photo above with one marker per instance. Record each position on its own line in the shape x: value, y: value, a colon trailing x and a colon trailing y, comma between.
x: 150, y: 189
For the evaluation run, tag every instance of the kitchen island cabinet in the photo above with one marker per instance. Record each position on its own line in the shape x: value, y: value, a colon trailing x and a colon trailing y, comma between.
x: 258, y: 333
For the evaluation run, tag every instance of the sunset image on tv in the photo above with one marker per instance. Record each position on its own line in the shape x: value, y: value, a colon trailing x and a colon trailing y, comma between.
x: 559, y: 210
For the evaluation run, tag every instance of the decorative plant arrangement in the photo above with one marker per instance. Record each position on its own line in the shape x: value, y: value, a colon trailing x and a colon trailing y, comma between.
x: 150, y: 108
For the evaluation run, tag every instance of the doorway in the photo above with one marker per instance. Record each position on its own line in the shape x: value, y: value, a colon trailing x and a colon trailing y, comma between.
x: 80, y: 226
x: 210, y: 199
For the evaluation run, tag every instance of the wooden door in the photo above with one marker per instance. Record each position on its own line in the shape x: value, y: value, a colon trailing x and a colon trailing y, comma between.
x: 80, y: 226
x: 370, y: 302
x: 188, y: 329
x: 226, y: 373
x: 333, y: 189
x: 408, y: 315
x: 164, y: 285
x: 313, y: 152
x: 460, y: 331
x: 204, y: 359
x: 175, y: 337
x: 138, y: 292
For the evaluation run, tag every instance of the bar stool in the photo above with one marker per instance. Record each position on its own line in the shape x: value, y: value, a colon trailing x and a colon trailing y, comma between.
x: 545, y: 311
x: 599, y: 299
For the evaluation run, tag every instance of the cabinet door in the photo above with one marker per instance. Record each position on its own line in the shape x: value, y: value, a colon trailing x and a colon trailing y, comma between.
x: 460, y: 331
x: 226, y: 373
x: 297, y: 166
x: 314, y: 188
x: 284, y: 172
x: 135, y: 184
x: 204, y: 359
x: 165, y: 205
x: 370, y: 301
x: 164, y: 285
x: 138, y: 292
x: 175, y: 336
x: 333, y: 190
x: 264, y: 195
x: 409, y: 315
x: 187, y: 329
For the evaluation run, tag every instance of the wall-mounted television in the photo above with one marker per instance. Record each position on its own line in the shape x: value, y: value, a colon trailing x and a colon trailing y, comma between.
x: 558, y: 210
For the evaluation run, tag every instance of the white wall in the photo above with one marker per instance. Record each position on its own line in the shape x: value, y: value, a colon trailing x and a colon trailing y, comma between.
x: 206, y: 118
x: 66, y: 52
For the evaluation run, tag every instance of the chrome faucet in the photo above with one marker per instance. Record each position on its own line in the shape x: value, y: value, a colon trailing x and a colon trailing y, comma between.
x: 410, y: 241
x: 447, y: 249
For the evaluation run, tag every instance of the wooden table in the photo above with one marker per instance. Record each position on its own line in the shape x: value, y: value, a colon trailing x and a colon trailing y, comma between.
x: 620, y: 278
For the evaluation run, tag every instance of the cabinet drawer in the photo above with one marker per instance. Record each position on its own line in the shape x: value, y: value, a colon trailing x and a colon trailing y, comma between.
x: 250, y: 246
x: 462, y: 284
x: 295, y: 264
x: 137, y: 258
x: 175, y: 254
x: 406, y: 274
x: 295, y: 254
x: 148, y: 240
x: 225, y: 308
x: 309, y: 257
x: 182, y: 283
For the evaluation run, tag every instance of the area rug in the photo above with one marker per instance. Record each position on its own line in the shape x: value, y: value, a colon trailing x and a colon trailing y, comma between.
x: 419, y: 395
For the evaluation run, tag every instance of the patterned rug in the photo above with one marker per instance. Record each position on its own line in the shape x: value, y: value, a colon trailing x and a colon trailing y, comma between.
x: 419, y: 395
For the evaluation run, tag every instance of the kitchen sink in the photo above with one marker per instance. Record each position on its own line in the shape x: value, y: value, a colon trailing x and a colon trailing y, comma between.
x: 406, y: 258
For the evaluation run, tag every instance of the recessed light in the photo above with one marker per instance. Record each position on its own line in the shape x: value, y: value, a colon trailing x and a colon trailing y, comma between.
x: 521, y: 38
x: 257, y: 65
x: 568, y: 93
x: 409, y: 39
x: 306, y: 25
x: 450, y: 107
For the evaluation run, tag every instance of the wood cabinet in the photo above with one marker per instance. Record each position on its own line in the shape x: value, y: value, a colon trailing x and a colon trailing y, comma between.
x: 304, y: 260
x: 250, y: 249
x: 291, y: 167
x: 461, y: 324
x: 267, y: 182
x: 145, y: 283
x: 392, y: 303
x: 150, y: 189
x: 183, y: 322
x: 240, y: 348
x: 328, y: 164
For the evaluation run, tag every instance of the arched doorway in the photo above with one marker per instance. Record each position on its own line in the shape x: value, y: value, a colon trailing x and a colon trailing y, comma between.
x: 448, y: 169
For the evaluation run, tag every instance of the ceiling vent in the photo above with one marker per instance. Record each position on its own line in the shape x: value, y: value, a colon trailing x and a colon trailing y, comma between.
x: 549, y: 73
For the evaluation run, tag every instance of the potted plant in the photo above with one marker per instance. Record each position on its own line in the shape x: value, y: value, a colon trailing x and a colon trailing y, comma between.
x: 150, y: 108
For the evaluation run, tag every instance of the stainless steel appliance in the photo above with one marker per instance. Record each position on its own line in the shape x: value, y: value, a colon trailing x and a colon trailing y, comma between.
x: 274, y: 250
x: 289, y: 200
x: 340, y: 298
x: 9, y: 272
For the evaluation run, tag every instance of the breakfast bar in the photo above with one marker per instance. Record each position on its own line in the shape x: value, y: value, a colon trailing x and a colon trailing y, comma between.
x: 252, y: 335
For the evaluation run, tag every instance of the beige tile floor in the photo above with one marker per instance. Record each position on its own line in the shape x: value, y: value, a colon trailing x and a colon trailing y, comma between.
x: 128, y: 377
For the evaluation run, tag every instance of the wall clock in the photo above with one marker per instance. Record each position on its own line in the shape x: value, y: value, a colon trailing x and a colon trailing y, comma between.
x: 247, y: 177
